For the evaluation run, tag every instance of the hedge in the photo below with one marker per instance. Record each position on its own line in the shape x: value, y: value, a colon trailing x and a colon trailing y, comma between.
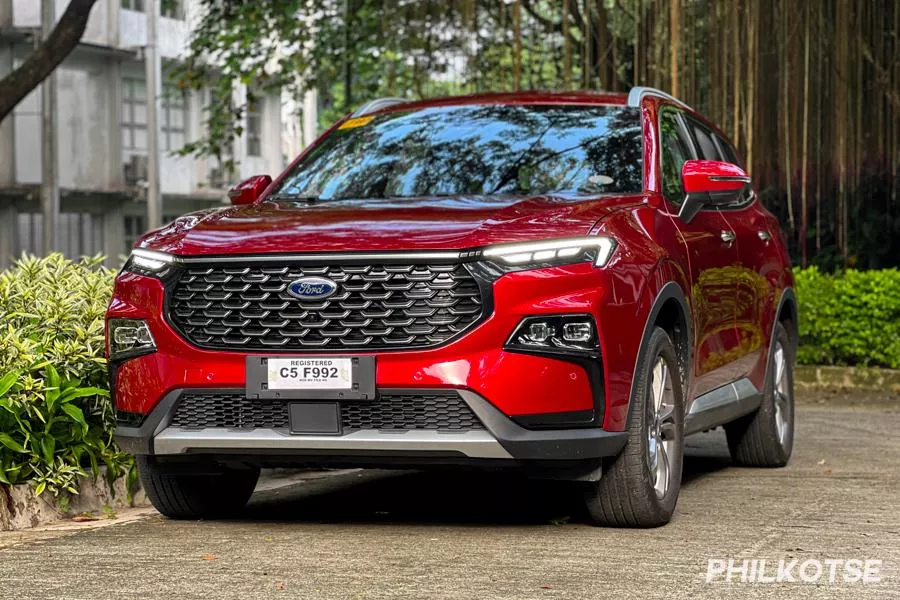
x: 56, y: 420
x: 849, y: 318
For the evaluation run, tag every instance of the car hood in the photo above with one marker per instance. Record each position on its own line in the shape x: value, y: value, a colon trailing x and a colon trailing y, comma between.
x: 355, y: 225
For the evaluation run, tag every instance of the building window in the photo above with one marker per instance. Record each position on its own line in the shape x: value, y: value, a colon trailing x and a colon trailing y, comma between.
x: 136, y: 226
x: 174, y: 9
x: 254, y: 128
x: 78, y: 234
x: 134, y: 114
x: 174, y: 107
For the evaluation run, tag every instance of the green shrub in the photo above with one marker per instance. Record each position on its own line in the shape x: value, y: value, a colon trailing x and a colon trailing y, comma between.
x: 850, y: 318
x: 56, y: 420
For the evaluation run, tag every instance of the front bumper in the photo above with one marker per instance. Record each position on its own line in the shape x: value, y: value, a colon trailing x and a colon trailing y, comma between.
x: 501, y: 439
x: 533, y: 408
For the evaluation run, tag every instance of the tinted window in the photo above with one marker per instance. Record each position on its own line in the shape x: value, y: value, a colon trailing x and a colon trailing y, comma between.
x: 675, y: 151
x: 705, y: 142
x: 476, y: 150
x: 728, y: 152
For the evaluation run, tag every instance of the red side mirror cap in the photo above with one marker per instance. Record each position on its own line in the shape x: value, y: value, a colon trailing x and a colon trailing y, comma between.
x: 711, y: 176
x: 249, y: 190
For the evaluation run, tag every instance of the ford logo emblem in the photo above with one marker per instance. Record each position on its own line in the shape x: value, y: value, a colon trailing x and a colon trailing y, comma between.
x: 312, y: 288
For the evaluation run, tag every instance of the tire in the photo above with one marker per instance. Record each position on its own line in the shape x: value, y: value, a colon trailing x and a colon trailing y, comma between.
x: 765, y: 438
x: 630, y: 492
x: 209, y: 492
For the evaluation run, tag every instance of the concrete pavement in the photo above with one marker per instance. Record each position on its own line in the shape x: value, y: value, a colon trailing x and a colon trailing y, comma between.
x: 413, y: 535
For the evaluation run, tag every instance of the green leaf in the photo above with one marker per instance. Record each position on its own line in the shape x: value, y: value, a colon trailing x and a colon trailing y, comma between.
x: 7, y: 381
x: 40, y: 487
x: 76, y: 414
x: 85, y: 392
x: 12, y: 444
x: 48, y: 447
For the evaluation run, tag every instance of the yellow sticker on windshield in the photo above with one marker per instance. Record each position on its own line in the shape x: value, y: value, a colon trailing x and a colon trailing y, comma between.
x: 357, y: 122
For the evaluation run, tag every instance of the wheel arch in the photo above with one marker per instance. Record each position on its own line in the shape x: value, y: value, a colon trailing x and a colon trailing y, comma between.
x: 670, y: 310
x: 788, y: 315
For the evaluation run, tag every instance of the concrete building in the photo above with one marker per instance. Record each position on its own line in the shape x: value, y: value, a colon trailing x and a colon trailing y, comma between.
x: 102, y: 133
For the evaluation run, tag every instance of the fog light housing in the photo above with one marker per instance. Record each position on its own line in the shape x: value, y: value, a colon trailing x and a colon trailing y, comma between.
x: 555, y: 333
x: 127, y: 338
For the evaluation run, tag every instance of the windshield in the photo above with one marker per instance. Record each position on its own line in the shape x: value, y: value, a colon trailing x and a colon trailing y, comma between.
x: 475, y: 150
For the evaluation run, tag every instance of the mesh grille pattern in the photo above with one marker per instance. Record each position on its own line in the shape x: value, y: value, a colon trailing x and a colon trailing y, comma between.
x: 424, y: 411
x: 196, y: 411
x: 375, y: 307
x: 441, y: 411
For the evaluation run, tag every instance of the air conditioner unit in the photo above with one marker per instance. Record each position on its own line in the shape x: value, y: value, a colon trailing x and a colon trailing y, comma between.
x: 135, y: 171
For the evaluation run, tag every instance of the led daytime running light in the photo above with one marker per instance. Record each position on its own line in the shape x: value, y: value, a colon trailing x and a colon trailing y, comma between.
x: 549, y: 251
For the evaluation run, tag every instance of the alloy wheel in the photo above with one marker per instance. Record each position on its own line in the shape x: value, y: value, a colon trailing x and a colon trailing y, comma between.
x: 782, y: 394
x: 661, y: 427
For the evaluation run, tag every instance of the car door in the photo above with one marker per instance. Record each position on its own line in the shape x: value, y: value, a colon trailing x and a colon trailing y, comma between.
x: 760, y: 269
x: 712, y: 259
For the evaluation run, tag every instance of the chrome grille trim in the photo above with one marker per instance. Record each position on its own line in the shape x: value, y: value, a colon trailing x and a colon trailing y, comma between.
x: 332, y: 257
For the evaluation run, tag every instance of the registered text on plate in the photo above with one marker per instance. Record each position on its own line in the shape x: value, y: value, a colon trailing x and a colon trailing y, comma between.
x: 310, y: 374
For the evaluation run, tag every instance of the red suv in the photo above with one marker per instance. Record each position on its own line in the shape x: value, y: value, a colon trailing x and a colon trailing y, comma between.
x: 565, y: 284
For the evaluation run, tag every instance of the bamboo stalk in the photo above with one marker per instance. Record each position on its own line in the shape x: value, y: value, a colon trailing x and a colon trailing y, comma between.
x: 675, y: 36
x: 805, y: 141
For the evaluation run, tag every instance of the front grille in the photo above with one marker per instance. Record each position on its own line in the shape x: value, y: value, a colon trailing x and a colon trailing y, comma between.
x: 445, y: 411
x: 376, y: 307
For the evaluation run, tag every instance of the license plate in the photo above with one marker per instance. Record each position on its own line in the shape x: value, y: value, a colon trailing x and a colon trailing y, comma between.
x: 310, y: 374
x: 311, y: 377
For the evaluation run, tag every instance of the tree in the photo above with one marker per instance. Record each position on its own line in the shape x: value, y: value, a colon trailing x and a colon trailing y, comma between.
x: 810, y: 97
x: 61, y: 41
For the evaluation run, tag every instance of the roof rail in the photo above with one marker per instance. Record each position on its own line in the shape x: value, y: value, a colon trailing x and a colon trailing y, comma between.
x: 376, y: 105
x: 637, y: 94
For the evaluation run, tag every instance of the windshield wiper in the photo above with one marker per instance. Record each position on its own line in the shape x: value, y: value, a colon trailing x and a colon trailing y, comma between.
x: 293, y: 198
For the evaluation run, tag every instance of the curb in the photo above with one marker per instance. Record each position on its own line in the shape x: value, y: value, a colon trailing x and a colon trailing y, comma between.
x: 21, y: 508
x: 852, y: 378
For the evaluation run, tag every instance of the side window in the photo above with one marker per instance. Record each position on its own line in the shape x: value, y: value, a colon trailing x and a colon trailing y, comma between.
x: 675, y: 150
x: 728, y: 153
x: 705, y: 142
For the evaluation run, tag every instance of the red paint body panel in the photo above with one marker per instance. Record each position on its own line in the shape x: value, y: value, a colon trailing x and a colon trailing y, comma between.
x: 732, y: 293
x: 353, y: 225
x: 249, y: 190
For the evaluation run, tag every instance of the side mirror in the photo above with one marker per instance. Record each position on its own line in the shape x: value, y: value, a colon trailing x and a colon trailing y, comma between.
x: 709, y: 183
x: 249, y: 190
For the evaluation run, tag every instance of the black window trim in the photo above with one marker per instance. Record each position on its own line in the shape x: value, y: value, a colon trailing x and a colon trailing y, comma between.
x: 692, y: 121
x: 688, y: 138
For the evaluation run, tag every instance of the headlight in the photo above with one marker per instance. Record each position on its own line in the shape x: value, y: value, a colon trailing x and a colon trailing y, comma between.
x: 149, y: 262
x: 129, y: 338
x: 598, y: 250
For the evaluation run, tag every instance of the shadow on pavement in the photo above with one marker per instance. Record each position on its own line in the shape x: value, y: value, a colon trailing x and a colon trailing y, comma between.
x: 444, y: 497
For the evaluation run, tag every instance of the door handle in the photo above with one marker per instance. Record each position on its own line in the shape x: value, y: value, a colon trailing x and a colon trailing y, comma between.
x: 727, y: 237
x: 764, y: 235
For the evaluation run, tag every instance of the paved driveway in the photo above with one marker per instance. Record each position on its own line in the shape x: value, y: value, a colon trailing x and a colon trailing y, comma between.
x: 414, y: 535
